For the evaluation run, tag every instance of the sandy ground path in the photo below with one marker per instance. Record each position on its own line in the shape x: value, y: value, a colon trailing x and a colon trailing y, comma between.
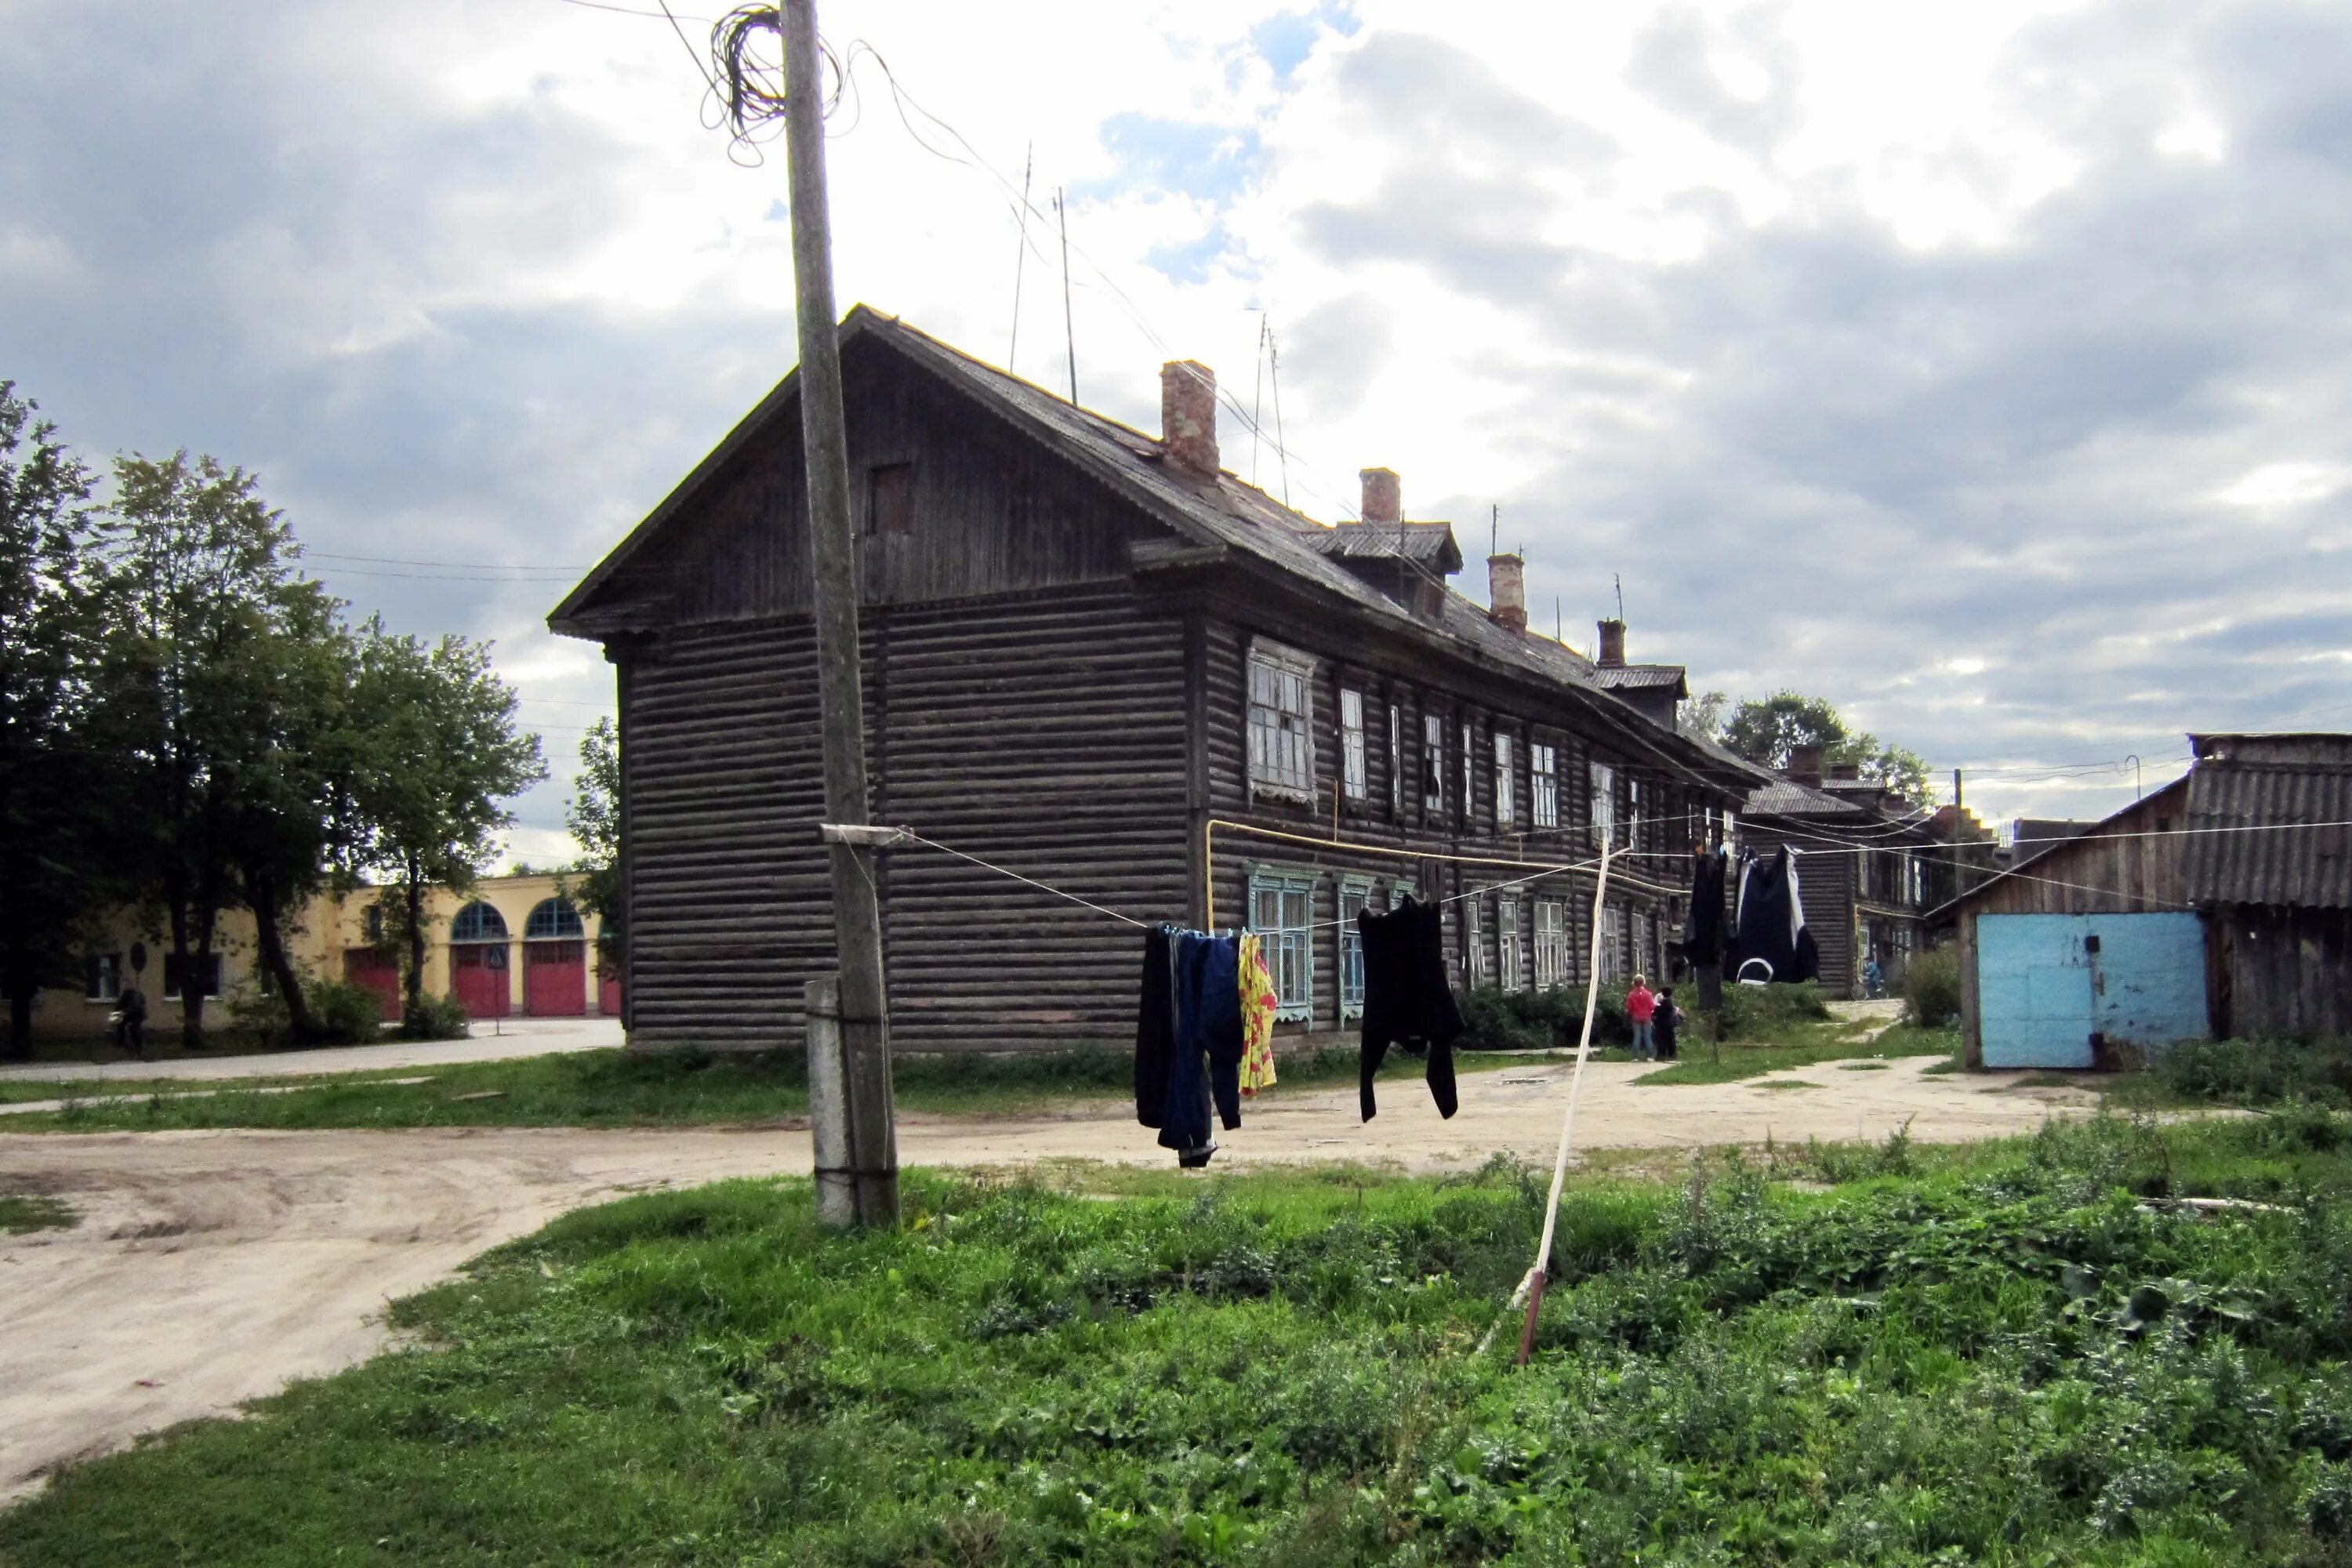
x: 210, y: 1267
x: 514, y: 1037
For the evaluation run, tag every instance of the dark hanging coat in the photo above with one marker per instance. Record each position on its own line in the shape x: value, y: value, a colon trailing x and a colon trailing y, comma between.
x: 1408, y: 998
x: 1772, y: 943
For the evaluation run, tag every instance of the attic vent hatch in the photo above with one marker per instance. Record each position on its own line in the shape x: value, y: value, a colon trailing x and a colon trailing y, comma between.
x: 890, y: 499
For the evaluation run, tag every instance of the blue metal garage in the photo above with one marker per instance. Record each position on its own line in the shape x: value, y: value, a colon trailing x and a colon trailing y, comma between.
x: 2062, y: 990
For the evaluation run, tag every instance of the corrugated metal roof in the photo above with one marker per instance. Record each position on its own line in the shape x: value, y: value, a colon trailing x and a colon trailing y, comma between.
x: 1424, y: 542
x: 1637, y: 676
x: 2291, y: 848
x: 1786, y: 798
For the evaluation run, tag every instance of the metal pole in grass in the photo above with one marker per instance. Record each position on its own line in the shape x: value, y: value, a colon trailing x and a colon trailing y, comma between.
x: 1533, y: 1285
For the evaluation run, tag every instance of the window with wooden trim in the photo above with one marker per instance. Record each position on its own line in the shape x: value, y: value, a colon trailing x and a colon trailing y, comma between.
x: 1354, y: 763
x: 1506, y: 944
x: 1282, y: 905
x: 1432, y: 764
x: 1474, y: 940
x: 1632, y: 814
x: 1354, y: 895
x: 1469, y: 771
x: 1396, y: 762
x: 101, y: 978
x: 1543, y: 783
x: 1551, y: 943
x: 209, y: 966
x: 1281, y: 721
x: 890, y: 499
x: 1914, y: 879
x: 1506, y: 805
x: 1604, y: 804
x: 1613, y: 943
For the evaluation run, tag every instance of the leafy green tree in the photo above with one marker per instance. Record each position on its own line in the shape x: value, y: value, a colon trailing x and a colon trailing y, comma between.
x: 439, y: 757
x: 289, y: 805
x: 1771, y: 729
x: 1702, y: 717
x: 207, y: 610
x: 55, y: 873
x: 594, y: 817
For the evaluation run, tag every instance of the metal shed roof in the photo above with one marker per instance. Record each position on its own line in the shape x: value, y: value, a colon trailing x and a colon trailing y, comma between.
x: 2283, y: 841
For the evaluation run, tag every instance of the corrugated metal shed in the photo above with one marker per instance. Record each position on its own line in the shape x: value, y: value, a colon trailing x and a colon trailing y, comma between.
x: 1786, y: 798
x: 1640, y: 676
x: 2309, y: 864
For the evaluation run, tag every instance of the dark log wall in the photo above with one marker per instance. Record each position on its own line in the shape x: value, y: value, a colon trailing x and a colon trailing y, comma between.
x: 986, y: 510
x: 2280, y: 973
x: 1043, y: 733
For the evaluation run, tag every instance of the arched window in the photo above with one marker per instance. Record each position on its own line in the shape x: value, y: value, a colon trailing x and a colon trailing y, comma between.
x: 553, y: 919
x: 477, y: 921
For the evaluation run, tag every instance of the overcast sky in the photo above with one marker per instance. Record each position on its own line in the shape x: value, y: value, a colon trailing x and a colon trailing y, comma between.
x: 1982, y: 368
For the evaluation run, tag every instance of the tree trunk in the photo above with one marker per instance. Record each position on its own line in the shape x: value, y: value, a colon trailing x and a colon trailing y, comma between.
x: 192, y: 1028
x: 20, y: 1021
x: 416, y: 891
x: 261, y: 893
x: 193, y: 977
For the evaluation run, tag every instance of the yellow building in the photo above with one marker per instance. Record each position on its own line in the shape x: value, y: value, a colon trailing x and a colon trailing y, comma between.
x: 513, y: 946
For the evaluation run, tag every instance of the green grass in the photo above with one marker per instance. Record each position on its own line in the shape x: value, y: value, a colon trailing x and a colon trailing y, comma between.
x: 21, y: 1212
x: 615, y: 1089
x: 1993, y: 1356
x: 1700, y: 1062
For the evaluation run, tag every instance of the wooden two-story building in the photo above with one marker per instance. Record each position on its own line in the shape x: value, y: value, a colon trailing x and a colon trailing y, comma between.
x: 1094, y: 657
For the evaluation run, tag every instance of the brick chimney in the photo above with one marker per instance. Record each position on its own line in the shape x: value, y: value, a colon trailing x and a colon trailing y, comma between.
x: 1188, y: 417
x: 1612, y: 645
x: 1805, y: 765
x: 1845, y: 773
x: 1384, y: 496
x: 1506, y: 591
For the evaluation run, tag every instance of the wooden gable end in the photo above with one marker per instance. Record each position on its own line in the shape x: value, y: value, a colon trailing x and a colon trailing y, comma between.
x: 950, y: 502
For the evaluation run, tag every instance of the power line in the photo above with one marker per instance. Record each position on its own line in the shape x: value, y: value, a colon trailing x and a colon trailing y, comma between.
x: 309, y: 554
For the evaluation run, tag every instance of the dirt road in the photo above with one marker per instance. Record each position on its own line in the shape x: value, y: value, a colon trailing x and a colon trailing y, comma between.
x: 209, y: 1267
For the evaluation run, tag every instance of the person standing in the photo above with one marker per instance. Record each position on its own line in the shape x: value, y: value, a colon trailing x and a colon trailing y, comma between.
x: 1664, y: 1023
x: 1641, y: 1006
x: 130, y: 1020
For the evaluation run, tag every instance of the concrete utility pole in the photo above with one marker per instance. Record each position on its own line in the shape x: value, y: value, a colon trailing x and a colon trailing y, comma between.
x: 871, y: 1145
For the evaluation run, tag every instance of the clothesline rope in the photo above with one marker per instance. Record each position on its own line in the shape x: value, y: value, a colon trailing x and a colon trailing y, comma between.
x: 914, y: 837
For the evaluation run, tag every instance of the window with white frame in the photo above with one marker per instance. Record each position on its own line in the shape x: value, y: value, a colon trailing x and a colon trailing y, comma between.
x: 1398, y: 893
x: 1396, y: 762
x: 1604, y: 804
x: 1355, y: 776
x: 1473, y: 941
x: 1506, y: 806
x: 1281, y: 720
x: 1432, y: 764
x: 1506, y: 943
x: 1914, y: 879
x: 1353, y: 897
x: 1282, y: 908
x: 1551, y: 943
x: 1543, y: 783
x: 1730, y: 828
x: 1469, y: 771
x: 1632, y: 814
x: 101, y: 978
x: 1613, y: 943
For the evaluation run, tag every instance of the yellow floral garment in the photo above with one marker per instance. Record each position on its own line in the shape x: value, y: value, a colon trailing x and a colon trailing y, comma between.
x: 1257, y: 1017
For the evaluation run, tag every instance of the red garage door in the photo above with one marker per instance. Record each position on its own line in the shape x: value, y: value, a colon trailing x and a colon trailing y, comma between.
x: 608, y: 990
x: 479, y: 974
x: 555, y: 979
x: 380, y: 973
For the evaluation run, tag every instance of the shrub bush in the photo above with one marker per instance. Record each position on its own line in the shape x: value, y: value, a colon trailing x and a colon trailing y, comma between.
x: 1763, y: 1012
x: 1499, y: 1020
x: 2257, y: 1072
x: 436, y: 1018
x: 1931, y: 989
x: 346, y: 1014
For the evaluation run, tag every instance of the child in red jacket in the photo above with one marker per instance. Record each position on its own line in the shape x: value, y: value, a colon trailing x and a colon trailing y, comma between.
x: 1641, y: 1006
